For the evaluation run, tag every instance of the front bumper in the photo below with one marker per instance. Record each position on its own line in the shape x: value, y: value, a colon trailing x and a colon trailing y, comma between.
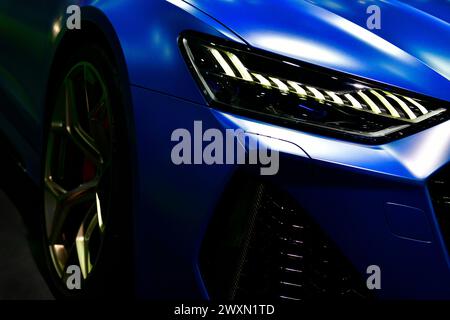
x: 371, y: 201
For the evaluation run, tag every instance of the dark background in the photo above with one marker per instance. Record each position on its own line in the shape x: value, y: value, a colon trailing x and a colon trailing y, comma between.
x: 19, y: 244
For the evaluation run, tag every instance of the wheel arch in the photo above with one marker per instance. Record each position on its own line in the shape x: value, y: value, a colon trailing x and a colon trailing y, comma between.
x: 95, y: 28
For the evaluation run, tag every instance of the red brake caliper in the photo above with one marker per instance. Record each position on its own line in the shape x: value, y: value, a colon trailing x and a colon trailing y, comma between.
x: 88, y: 170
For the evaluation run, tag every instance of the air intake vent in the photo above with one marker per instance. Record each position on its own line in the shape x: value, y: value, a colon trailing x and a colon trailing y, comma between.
x: 261, y: 245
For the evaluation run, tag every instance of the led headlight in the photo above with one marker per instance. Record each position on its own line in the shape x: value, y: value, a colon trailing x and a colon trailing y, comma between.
x: 238, y: 79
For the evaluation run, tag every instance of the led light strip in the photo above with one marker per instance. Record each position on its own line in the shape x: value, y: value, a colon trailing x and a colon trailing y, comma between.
x: 262, y: 80
x: 317, y: 94
x: 386, y: 103
x: 240, y: 67
x: 297, y: 88
x: 369, y: 102
x: 289, y: 85
x: 403, y: 105
x: 335, y: 97
x: 418, y: 105
x: 281, y: 85
x: 355, y: 103
x: 225, y: 66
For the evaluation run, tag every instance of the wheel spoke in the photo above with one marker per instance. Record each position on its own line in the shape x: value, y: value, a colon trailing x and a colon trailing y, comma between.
x: 58, y: 126
x: 96, y: 96
x: 54, y: 165
x: 71, y: 114
x: 58, y: 120
x: 54, y: 189
x: 101, y: 223
x: 60, y: 257
x: 83, y: 194
x: 53, y: 194
x: 95, y: 113
x: 87, y: 145
x: 74, y: 129
x: 70, y: 258
x: 82, y: 243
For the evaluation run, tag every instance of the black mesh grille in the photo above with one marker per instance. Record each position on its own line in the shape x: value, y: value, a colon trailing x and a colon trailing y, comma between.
x: 439, y: 186
x: 261, y: 245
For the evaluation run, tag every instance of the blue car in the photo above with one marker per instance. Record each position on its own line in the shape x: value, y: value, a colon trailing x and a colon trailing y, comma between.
x: 233, y: 150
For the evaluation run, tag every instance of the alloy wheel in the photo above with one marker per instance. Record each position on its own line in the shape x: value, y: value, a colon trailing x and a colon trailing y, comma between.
x: 76, y: 174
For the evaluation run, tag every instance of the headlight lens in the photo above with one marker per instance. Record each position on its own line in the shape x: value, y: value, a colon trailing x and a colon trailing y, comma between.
x: 241, y: 80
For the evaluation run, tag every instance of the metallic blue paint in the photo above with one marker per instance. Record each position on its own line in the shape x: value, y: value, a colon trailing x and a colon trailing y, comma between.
x: 349, y: 188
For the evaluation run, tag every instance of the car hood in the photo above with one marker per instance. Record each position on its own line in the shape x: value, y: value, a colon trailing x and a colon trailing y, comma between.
x: 411, y: 50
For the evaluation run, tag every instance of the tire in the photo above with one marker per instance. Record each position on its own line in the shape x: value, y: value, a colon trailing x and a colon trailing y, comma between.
x: 87, y: 180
